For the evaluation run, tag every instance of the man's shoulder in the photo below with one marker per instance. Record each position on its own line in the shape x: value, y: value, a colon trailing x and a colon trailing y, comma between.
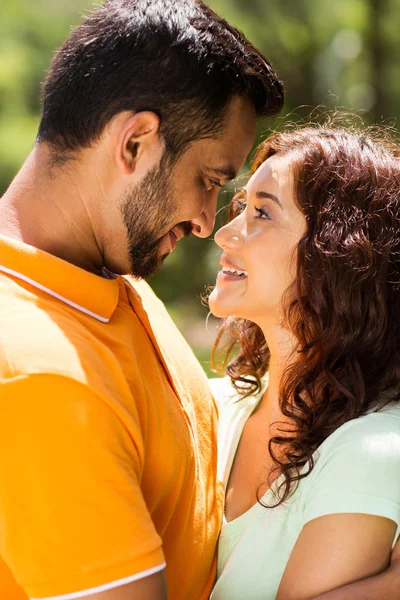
x: 169, y: 337
x: 146, y: 293
x: 41, y: 335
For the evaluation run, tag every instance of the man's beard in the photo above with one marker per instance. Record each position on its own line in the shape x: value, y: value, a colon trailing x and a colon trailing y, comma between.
x: 148, y: 211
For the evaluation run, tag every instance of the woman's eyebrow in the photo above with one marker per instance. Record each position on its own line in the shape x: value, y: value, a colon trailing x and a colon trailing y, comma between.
x: 261, y: 195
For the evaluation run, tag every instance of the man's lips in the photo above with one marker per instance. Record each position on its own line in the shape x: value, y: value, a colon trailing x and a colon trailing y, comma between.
x: 173, y: 240
x: 170, y: 239
x: 175, y: 234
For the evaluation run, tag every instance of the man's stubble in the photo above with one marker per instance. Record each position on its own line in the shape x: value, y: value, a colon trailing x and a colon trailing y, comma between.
x: 149, y: 212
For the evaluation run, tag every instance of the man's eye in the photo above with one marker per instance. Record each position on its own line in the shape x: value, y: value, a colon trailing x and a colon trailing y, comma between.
x: 210, y: 185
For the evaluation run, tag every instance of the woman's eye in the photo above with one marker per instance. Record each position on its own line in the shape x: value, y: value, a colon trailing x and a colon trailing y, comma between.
x: 236, y: 207
x: 262, y: 213
x: 239, y: 204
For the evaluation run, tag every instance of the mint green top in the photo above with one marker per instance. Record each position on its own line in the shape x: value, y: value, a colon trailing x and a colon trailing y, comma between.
x: 357, y: 470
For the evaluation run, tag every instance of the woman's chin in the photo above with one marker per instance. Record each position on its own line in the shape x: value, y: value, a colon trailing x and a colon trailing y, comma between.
x: 220, y: 307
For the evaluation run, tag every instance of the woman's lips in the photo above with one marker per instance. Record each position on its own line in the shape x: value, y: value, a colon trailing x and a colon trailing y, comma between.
x: 230, y: 271
x: 223, y: 276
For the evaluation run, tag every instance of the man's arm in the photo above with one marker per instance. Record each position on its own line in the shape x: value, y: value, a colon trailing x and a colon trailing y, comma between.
x: 70, y: 472
x: 153, y: 587
x: 385, y: 586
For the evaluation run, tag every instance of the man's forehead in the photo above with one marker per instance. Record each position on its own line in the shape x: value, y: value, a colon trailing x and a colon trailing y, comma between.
x: 240, y: 120
x: 227, y: 159
x: 224, y: 155
x: 237, y: 137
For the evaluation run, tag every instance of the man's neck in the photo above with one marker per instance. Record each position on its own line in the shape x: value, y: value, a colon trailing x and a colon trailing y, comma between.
x: 50, y: 211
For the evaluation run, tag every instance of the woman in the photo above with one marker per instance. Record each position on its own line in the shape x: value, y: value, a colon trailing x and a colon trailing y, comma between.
x: 310, y: 428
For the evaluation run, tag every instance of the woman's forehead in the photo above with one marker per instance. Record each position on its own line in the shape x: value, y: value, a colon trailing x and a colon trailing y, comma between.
x: 274, y: 172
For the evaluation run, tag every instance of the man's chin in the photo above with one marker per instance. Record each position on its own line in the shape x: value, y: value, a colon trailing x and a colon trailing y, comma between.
x: 146, y: 264
x: 148, y: 268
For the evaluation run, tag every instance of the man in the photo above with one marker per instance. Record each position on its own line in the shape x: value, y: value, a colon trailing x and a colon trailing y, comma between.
x: 107, y: 428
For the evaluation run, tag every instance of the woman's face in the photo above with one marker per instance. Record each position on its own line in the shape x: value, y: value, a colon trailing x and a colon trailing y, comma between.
x: 258, y: 259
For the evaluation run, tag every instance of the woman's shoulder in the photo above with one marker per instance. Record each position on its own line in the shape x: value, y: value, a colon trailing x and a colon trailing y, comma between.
x: 356, y: 469
x: 364, y: 453
x: 376, y: 431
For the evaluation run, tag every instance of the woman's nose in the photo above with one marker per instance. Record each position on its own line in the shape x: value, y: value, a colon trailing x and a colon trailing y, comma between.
x: 229, y: 236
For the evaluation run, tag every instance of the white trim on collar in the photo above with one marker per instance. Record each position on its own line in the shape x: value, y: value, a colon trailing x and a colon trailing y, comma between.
x: 52, y: 293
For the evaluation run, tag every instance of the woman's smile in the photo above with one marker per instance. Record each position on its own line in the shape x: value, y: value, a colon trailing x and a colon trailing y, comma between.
x: 230, y: 271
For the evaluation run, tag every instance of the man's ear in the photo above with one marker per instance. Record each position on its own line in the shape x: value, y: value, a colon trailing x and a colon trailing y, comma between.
x: 137, y: 134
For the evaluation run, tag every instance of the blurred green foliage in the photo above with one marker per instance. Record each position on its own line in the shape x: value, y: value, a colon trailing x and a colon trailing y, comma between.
x: 341, y: 53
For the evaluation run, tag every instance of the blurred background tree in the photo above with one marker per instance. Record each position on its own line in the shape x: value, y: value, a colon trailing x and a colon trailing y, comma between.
x: 338, y: 53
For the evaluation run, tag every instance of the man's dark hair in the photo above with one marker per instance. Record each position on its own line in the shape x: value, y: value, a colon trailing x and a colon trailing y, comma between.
x: 176, y: 58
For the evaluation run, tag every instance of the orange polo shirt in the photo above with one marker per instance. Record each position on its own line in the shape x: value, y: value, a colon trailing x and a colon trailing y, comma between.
x: 107, y: 437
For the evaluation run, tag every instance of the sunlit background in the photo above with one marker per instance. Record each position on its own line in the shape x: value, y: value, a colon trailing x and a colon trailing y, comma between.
x: 341, y: 53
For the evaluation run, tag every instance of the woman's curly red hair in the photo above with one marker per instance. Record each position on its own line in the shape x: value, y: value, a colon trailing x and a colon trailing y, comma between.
x: 343, y: 307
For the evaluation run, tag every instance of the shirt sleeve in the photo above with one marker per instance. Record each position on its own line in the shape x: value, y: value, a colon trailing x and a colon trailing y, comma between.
x: 73, y: 519
x: 358, y: 471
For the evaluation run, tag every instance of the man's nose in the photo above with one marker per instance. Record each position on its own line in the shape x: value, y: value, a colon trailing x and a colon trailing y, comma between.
x: 203, y: 225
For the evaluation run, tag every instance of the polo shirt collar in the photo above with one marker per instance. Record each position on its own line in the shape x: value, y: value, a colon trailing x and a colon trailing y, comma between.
x: 84, y: 291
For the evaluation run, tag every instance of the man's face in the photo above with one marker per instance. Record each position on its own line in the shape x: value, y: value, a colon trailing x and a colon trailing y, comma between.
x: 173, y: 201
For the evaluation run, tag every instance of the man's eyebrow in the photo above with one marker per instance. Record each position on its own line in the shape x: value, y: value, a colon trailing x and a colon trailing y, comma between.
x: 229, y: 172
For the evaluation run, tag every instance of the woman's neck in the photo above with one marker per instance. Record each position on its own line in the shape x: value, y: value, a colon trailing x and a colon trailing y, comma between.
x: 282, y: 347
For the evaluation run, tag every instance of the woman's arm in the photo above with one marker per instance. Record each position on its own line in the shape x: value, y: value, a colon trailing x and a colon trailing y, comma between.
x: 335, y: 550
x: 385, y: 585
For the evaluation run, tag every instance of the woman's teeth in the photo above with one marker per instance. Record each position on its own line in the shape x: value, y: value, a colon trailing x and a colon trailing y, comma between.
x: 234, y: 272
